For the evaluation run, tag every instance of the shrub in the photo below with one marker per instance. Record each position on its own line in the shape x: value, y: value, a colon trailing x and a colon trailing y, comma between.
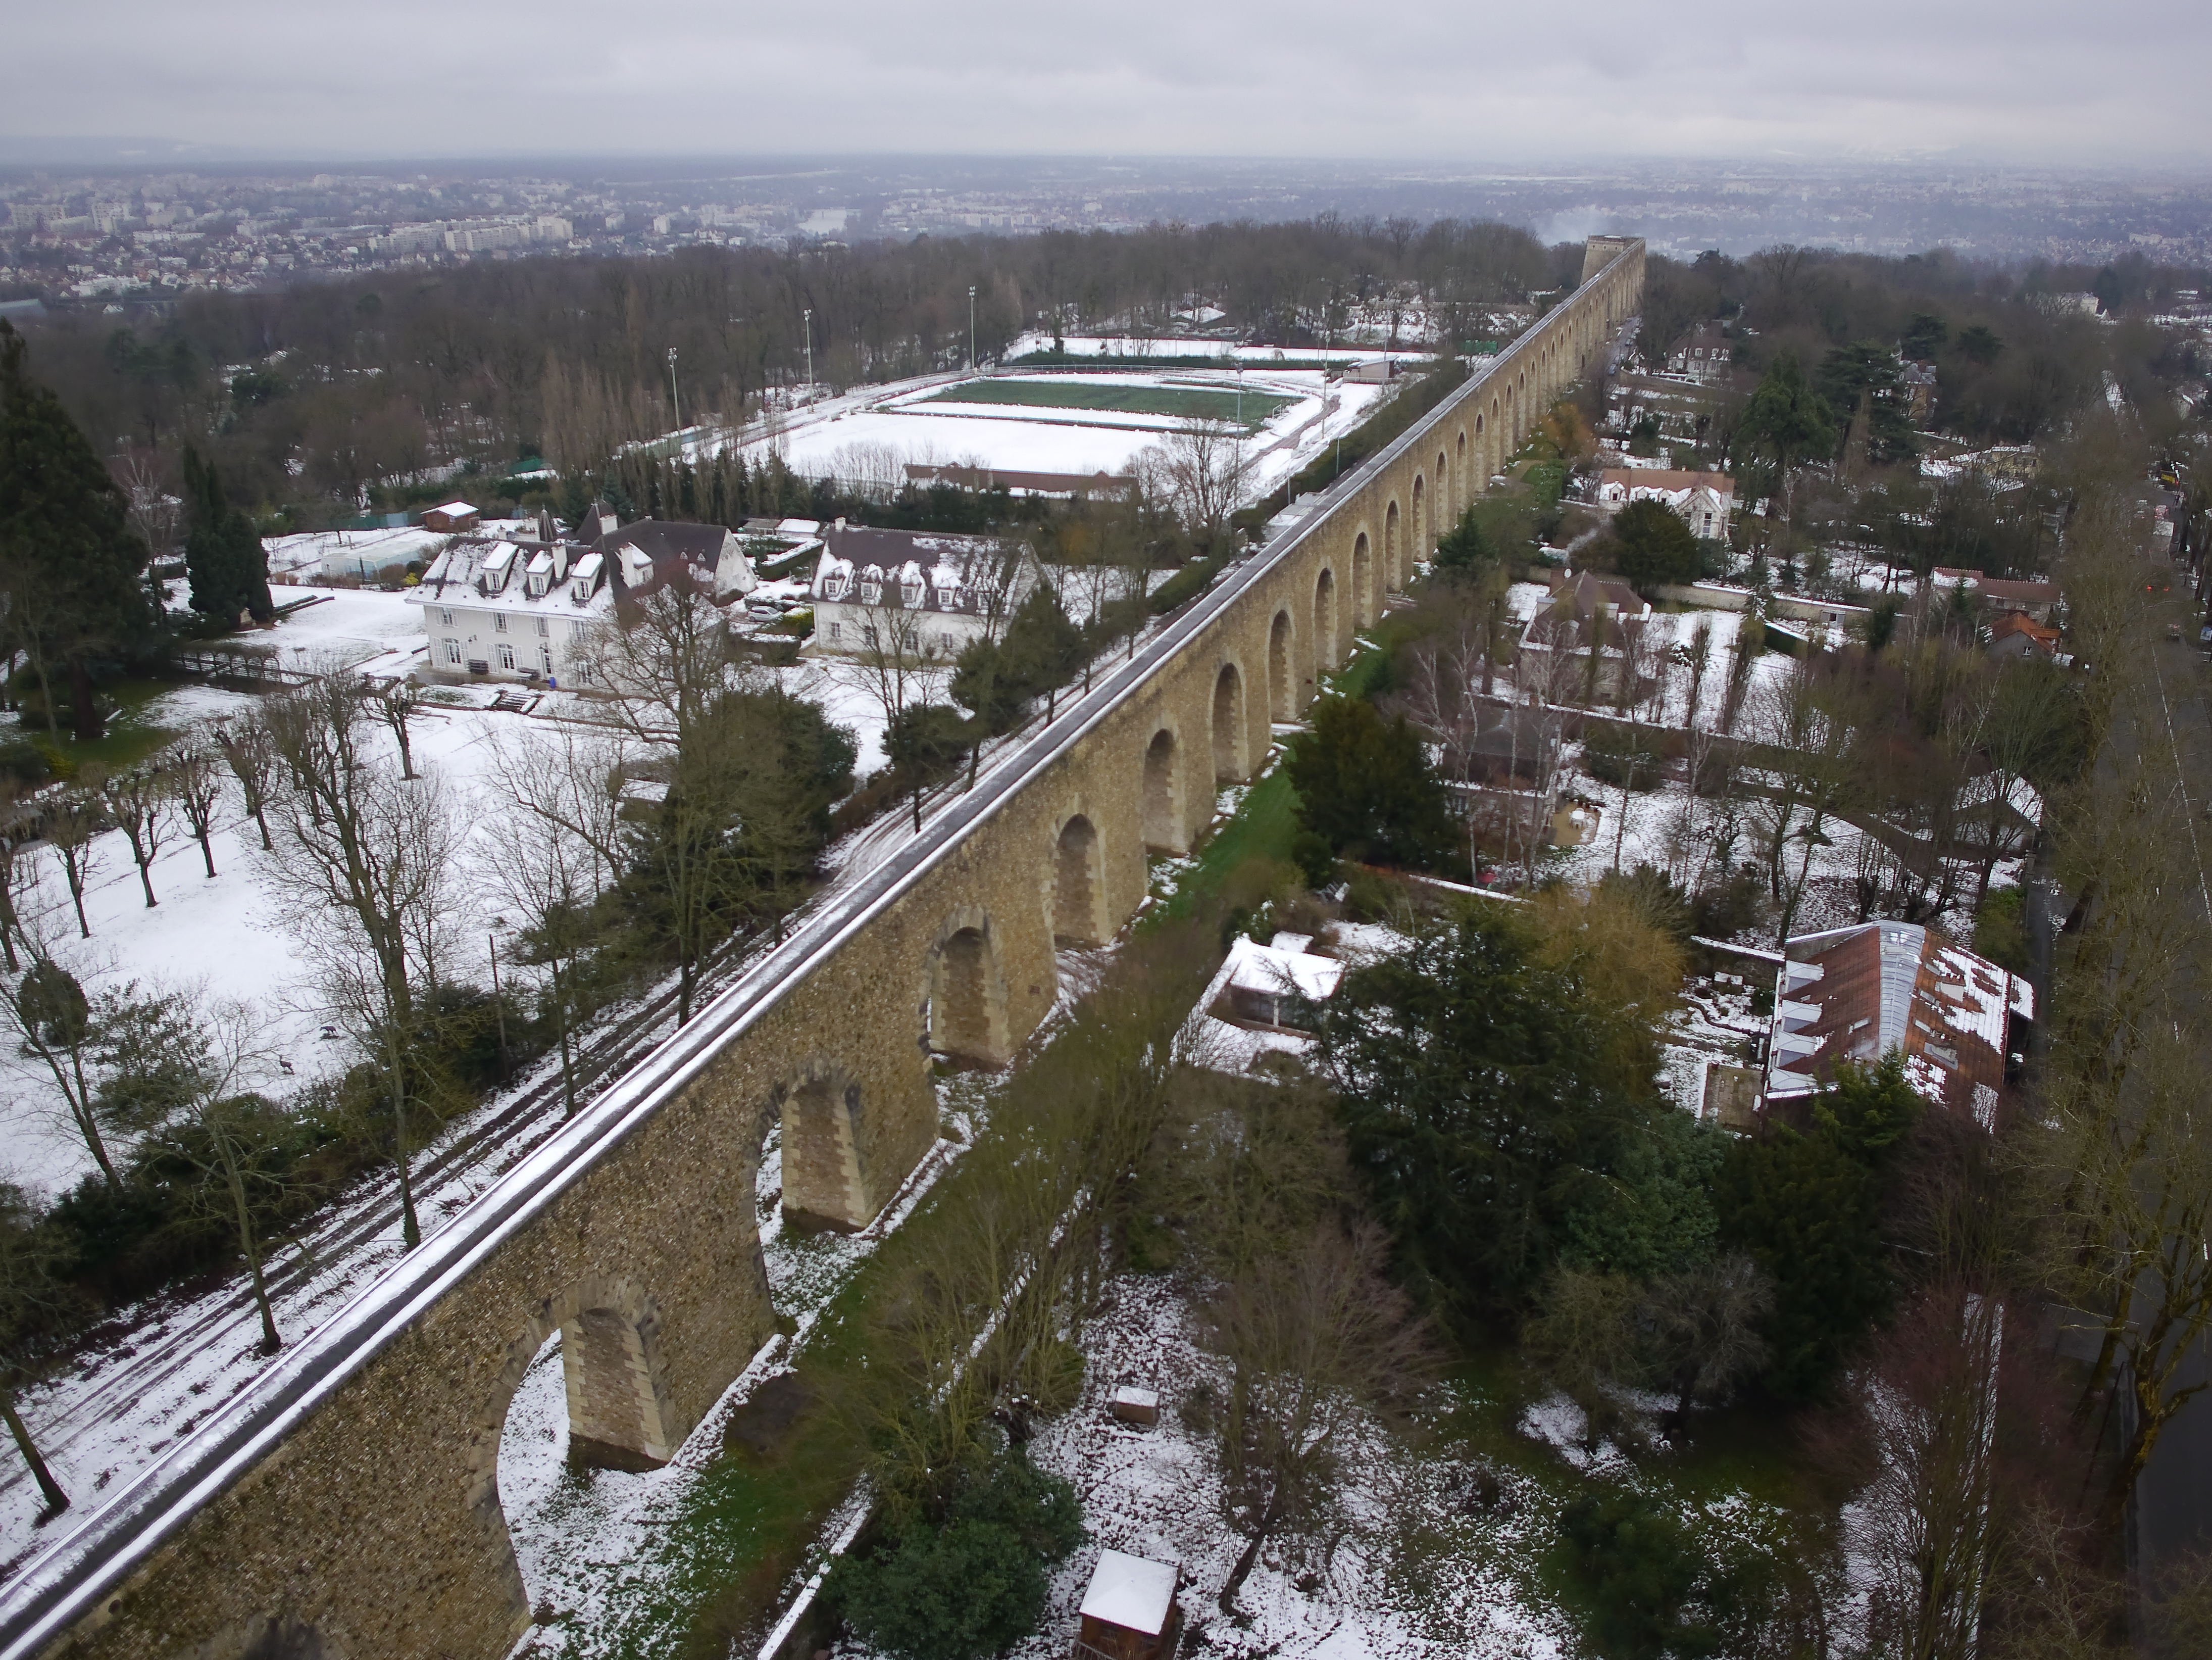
x: 973, y: 1584
x: 954, y: 1593
x: 1728, y: 906
x: 1617, y: 756
x: 1645, y: 1576
x: 2001, y: 930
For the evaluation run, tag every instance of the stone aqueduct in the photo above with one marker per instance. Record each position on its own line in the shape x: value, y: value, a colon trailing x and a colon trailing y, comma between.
x: 347, y: 1505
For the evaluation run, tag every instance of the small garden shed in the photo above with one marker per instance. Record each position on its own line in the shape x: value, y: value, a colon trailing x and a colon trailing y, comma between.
x: 1129, y: 1610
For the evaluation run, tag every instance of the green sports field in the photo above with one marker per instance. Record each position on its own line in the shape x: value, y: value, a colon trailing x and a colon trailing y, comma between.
x: 1176, y: 402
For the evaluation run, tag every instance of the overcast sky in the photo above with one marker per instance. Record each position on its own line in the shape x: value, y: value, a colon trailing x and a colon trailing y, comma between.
x: 2021, y: 80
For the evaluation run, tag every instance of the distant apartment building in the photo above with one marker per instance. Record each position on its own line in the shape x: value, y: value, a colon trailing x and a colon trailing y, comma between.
x: 471, y: 236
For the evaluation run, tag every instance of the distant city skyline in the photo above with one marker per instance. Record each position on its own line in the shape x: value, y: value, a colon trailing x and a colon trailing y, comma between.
x: 1972, y: 81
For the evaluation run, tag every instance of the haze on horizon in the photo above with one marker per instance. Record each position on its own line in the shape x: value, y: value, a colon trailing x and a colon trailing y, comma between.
x: 1978, y: 81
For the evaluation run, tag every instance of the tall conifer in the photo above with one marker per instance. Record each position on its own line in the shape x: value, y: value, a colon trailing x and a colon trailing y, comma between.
x: 74, y: 570
x: 227, y: 567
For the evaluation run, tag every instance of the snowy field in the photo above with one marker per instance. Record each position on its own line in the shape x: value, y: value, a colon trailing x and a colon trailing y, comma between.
x: 870, y: 439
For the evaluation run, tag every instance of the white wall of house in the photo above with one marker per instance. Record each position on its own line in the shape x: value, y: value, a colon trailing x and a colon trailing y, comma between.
x: 512, y: 644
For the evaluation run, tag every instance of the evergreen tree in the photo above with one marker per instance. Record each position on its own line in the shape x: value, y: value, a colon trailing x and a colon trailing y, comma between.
x: 1863, y: 382
x: 1366, y: 789
x: 1472, y: 1085
x: 1653, y: 546
x: 73, y: 569
x: 1808, y: 1208
x: 1463, y: 547
x: 1786, y: 425
x: 224, y: 560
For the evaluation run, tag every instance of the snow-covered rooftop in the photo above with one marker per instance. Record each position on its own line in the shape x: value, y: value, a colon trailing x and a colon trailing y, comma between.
x: 1133, y: 1592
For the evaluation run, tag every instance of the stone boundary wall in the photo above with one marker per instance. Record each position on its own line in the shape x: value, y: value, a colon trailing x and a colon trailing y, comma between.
x: 346, y: 1503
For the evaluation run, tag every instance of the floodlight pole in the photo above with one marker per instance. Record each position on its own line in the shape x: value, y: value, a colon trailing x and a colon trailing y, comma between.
x: 971, y: 328
x: 673, y: 402
x: 810, y: 349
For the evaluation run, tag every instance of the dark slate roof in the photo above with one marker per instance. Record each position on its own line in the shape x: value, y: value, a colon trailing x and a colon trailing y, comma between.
x: 698, y: 545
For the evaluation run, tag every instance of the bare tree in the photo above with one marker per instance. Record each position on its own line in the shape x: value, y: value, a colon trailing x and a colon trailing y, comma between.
x: 137, y: 802
x: 1315, y: 1342
x: 30, y: 1288
x: 396, y: 703
x: 1201, y: 469
x: 73, y: 828
x: 900, y: 668
x: 556, y: 846
x: 198, y: 782
x: 53, y: 1024
x: 252, y: 757
x: 1440, y: 701
x: 1929, y: 1407
x: 181, y: 1064
x: 365, y: 874
x: 19, y: 872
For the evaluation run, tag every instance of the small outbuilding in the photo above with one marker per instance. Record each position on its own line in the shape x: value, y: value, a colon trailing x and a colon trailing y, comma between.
x: 1129, y: 1611
x: 454, y: 518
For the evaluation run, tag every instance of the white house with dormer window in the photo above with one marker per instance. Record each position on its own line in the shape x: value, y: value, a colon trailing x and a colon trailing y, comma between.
x: 528, y: 609
x: 1704, y: 501
x: 943, y: 592
x: 510, y: 612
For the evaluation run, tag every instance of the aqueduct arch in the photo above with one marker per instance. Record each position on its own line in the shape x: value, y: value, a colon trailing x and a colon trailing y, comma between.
x: 1324, y: 621
x: 825, y: 1179
x: 1363, y: 581
x: 1387, y: 577
x: 967, y: 993
x: 1079, y: 909
x: 1162, y: 798
x: 1282, y: 670
x: 1229, y: 765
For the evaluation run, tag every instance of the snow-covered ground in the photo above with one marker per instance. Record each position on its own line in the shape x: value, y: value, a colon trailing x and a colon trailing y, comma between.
x: 868, y: 438
x: 328, y: 555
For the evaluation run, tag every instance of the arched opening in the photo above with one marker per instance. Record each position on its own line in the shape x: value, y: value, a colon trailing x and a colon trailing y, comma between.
x: 1387, y: 578
x: 1282, y: 689
x: 1228, y: 725
x: 967, y: 999
x: 583, y: 1389
x: 1163, y: 822
x: 1460, y: 493
x: 614, y: 1422
x: 1075, y: 895
x: 1363, y: 583
x: 822, y: 1172
x: 1325, y: 620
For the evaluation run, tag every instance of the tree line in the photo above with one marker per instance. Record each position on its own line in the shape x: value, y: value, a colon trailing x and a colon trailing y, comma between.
x: 308, y: 396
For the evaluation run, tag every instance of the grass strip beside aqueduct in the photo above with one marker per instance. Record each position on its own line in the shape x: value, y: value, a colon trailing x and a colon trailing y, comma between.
x: 1178, y: 403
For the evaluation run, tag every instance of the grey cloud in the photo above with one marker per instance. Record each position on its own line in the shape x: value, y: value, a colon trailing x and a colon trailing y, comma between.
x: 2031, y: 80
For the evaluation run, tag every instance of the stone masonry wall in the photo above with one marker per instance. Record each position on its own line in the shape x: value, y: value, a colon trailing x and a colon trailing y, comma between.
x: 377, y: 1526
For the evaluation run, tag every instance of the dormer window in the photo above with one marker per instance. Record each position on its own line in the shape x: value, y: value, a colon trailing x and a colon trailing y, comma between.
x: 871, y: 589
x: 910, y: 593
x: 945, y: 597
